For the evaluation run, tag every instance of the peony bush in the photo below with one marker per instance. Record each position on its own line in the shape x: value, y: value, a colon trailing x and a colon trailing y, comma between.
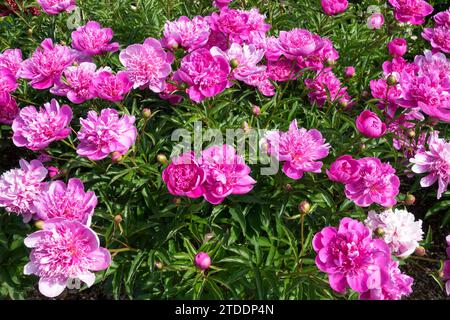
x: 225, y: 149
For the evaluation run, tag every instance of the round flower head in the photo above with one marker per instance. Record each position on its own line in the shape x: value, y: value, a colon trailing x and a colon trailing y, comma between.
x: 298, y: 42
x: 202, y: 260
x: 101, y: 135
x: 439, y: 37
x: 46, y: 65
x: 344, y: 169
x: 57, y: 6
x: 351, y: 257
x: 324, y: 87
x: 19, y: 188
x: 69, y: 201
x: 299, y: 148
x: 8, y: 108
x: 187, y: 33
x: 35, y: 129
x: 184, y: 177
x: 226, y: 173
x: 412, y: 11
x: 109, y: 86
x: 397, y: 47
x: 377, y: 183
x: 8, y: 81
x: 401, y: 232
x: 370, y: 125
x: 443, y: 18
x: 375, y: 21
x: 333, y: 7
x: 147, y: 64
x: 63, y: 250
x: 261, y: 81
x: 282, y: 70
x: 91, y: 39
x: 11, y: 59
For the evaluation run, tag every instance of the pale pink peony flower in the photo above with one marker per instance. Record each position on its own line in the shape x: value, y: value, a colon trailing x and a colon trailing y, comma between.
x: 109, y: 86
x: 63, y: 250
x: 226, y: 173
x: 147, y: 64
x: 447, y: 267
x: 324, y: 86
x: 77, y: 83
x: 69, y: 201
x: 412, y: 11
x: 351, y: 257
x: 35, y: 129
x: 299, y: 149
x: 401, y: 231
x: 333, y: 7
x: 101, y: 135
x: 261, y: 81
x: 91, y: 39
x: 397, y: 47
x: 184, y: 176
x: 8, y: 108
x: 19, y: 188
x: 344, y: 169
x: 187, y: 33
x: 46, y: 65
x: 11, y: 59
x: 377, y: 183
x: 435, y: 161
x: 439, y: 37
x: 375, y: 21
x: 370, y: 125
x: 8, y: 81
x: 298, y: 42
x: 57, y: 6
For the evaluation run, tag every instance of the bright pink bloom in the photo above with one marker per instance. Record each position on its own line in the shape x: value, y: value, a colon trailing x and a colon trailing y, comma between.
x: 443, y: 18
x: 184, y: 176
x: 221, y: 3
x: 447, y: 267
x: 333, y: 7
x: 271, y: 45
x: 77, y: 83
x: 8, y: 108
x: 282, y: 70
x: 63, y: 250
x: 170, y: 95
x: 53, y: 171
x: 344, y: 169
x: 412, y: 11
x: 435, y: 161
x: 323, y: 56
x: 11, y: 59
x: 298, y: 42
x: 69, y: 201
x: 205, y: 75
x: 324, y: 85
x: 375, y: 21
x: 35, y: 129
x: 397, y: 47
x: 226, y: 173
x: 57, y: 6
x: 46, y: 65
x: 202, y: 260
x: 147, y: 64
x: 349, y: 72
x: 91, y: 39
x: 370, y: 125
x: 261, y: 81
x: 187, y: 33
x: 377, y: 183
x: 351, y: 257
x: 439, y: 38
x: 8, y: 81
x: 101, y: 135
x: 299, y: 148
x: 19, y: 188
x: 112, y: 87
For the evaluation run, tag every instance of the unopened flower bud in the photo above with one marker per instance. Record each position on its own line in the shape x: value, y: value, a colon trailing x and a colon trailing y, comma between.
x: 331, y: 63
x: 420, y: 251
x: 234, y: 63
x: 246, y: 127
x: 411, y: 133
x: 118, y: 219
x: 208, y: 237
x: 53, y: 171
x: 362, y: 147
x: 177, y: 201
x: 159, y: 265
x: 161, y: 158
x: 146, y: 113
x: 30, y: 32
x: 365, y: 94
x: 287, y: 187
x: 379, y: 232
x: 304, y: 207
x: 202, y: 260
x: 256, y: 110
x: 116, y: 157
x: 392, y: 80
x: 410, y: 199
x: 39, y: 224
x: 343, y: 103
x: 349, y: 72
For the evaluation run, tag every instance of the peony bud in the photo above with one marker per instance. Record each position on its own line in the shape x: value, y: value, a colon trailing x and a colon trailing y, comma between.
x: 116, y: 157
x: 375, y: 21
x: 365, y: 94
x: 202, y: 260
x: 331, y: 62
x: 420, y: 251
x: 410, y: 199
x: 349, y: 72
x: 146, y: 113
x: 53, y: 171
x: 234, y: 63
x: 256, y: 111
x: 370, y: 125
x: 392, y: 80
x: 304, y: 207
x: 118, y: 219
x: 379, y: 232
x: 161, y: 158
x: 39, y: 224
x: 159, y: 265
x: 287, y: 187
x: 411, y: 133
x: 246, y: 127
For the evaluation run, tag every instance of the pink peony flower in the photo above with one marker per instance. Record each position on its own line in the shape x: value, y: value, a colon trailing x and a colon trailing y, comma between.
x: 91, y: 39
x: 226, y: 173
x: 109, y: 86
x: 375, y: 21
x: 63, y: 250
x: 184, y: 176
x: 46, y: 65
x: 349, y: 72
x: 447, y: 267
x: 101, y: 135
x: 326, y: 85
x: 344, y: 169
x: 8, y: 81
x: 202, y: 260
x: 439, y: 37
x: 205, y: 75
x: 261, y: 81
x: 57, y: 6
x: 443, y: 18
x: 399, y: 285
x: 19, y: 188
x: 282, y: 70
x: 377, y: 183
x: 435, y: 161
x: 351, y: 257
x: 298, y: 42
x: 221, y: 3
x: 397, y: 47
x: 8, y: 108
x: 11, y: 59
x: 370, y: 125
x: 77, y: 83
x: 53, y: 171
x: 147, y: 64
x: 66, y: 201
x: 412, y: 11
x: 299, y: 148
x: 170, y: 95
x: 333, y: 7
x: 187, y: 33
x: 35, y: 129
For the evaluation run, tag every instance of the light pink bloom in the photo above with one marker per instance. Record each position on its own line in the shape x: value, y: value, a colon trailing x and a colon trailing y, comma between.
x: 261, y: 81
x: 377, y: 183
x: 344, y: 169
x: 435, y: 161
x: 351, y: 257
x: 325, y: 85
x: 202, y: 260
x: 375, y: 21
x: 46, y: 65
x: 147, y: 64
x: 439, y: 37
x: 69, y: 201
x: 333, y: 7
x: 184, y: 176
x: 8, y: 108
x: 397, y: 47
x: 57, y: 6
x: 299, y: 149
x: 101, y: 135
x: 298, y: 42
x: 91, y: 39
x: 8, y: 81
x: 63, y: 250
x: 109, y: 86
x: 35, y: 129
x: 11, y: 59
x: 77, y: 83
x: 187, y: 33
x: 412, y: 11
x: 226, y: 173
x: 19, y: 188
x: 370, y: 125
